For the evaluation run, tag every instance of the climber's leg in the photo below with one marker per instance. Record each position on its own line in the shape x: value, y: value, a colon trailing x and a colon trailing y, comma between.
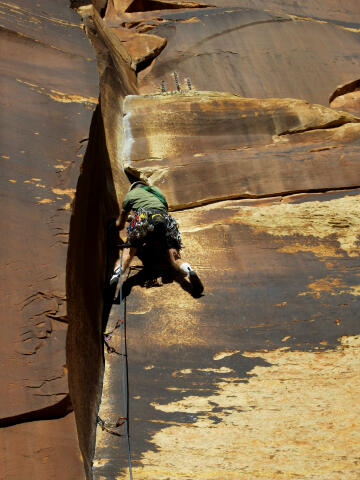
x: 185, y: 269
x: 129, y: 254
x: 175, y: 259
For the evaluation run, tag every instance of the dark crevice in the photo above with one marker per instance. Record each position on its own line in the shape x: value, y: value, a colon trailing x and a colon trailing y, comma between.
x: 148, y: 61
x: 144, y: 64
x: 344, y: 89
x: 95, y: 204
x: 58, y: 410
x: 258, y: 197
x: 150, y: 5
x: 339, y: 122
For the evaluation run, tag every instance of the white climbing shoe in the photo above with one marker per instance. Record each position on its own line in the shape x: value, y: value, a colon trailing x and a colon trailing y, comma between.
x: 115, y: 276
x: 185, y: 268
x: 195, y: 281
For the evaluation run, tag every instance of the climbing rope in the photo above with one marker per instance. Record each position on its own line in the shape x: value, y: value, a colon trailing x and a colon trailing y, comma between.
x: 125, y: 369
x: 124, y: 419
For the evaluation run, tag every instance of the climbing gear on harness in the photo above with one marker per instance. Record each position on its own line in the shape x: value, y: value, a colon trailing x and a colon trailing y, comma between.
x: 146, y: 221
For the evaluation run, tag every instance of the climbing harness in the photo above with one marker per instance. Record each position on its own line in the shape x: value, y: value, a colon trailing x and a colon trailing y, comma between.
x: 148, y: 220
x: 124, y: 419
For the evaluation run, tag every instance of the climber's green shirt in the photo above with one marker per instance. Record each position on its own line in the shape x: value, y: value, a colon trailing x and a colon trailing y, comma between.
x: 140, y: 198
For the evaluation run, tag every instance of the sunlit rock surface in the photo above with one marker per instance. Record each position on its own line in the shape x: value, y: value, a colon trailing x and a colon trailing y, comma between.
x: 347, y: 97
x: 264, y: 182
x: 251, y: 377
x: 204, y: 147
x: 255, y: 142
x: 247, y: 51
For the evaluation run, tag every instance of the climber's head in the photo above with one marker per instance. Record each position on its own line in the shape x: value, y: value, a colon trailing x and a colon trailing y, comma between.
x: 139, y: 183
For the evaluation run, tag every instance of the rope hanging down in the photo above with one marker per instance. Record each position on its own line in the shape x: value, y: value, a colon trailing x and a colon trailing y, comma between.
x: 125, y: 378
x: 124, y: 419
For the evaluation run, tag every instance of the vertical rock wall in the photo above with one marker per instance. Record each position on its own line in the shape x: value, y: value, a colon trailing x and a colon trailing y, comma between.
x: 49, y: 89
x: 259, y: 376
x: 90, y: 259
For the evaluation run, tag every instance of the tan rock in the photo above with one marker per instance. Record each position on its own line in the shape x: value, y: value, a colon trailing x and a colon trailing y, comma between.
x: 255, y: 376
x: 347, y: 97
x: 237, y: 380
x: 247, y: 147
x: 349, y: 102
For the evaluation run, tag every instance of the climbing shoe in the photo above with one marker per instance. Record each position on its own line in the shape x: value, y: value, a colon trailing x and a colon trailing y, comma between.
x: 196, y: 283
x: 185, y: 268
x: 115, y: 276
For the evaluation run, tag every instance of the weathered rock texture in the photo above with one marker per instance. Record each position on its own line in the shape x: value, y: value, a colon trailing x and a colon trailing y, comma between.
x: 258, y: 378
x: 49, y: 90
x: 347, y: 97
x: 204, y: 147
x: 254, y: 53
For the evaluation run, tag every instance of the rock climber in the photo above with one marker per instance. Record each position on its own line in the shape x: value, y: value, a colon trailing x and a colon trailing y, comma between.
x: 150, y: 219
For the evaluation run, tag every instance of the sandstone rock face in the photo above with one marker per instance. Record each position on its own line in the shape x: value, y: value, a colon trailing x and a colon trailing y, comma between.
x: 49, y: 91
x: 255, y: 142
x: 346, y: 15
x: 258, y: 377
x: 246, y: 147
x: 236, y: 49
x: 347, y: 97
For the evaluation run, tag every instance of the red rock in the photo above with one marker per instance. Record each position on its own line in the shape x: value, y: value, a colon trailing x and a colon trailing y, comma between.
x: 275, y: 269
x: 49, y: 88
x: 235, y: 50
x: 141, y: 47
x: 41, y: 449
